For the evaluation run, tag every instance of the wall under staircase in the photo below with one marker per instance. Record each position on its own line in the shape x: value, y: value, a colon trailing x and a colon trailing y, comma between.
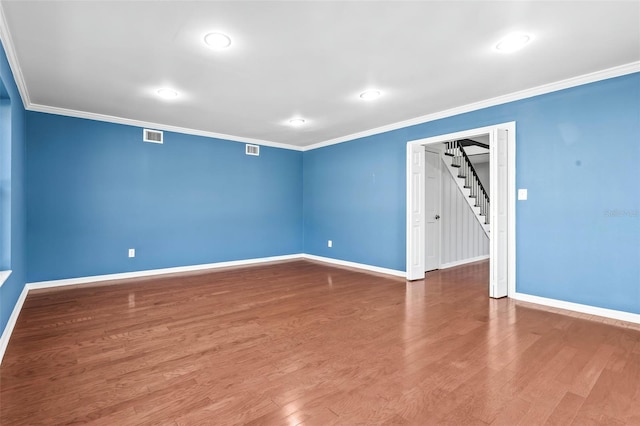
x: 463, y: 238
x: 465, y: 209
x: 462, y: 171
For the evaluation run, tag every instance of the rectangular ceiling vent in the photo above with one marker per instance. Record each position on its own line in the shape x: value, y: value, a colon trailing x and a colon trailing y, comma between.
x: 153, y: 136
x: 252, y: 149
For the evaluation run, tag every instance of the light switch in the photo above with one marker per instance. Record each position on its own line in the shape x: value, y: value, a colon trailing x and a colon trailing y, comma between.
x: 522, y: 194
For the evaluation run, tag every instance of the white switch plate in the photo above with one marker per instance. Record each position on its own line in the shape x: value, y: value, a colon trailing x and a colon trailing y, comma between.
x: 132, y: 252
x: 522, y: 194
x: 329, y: 243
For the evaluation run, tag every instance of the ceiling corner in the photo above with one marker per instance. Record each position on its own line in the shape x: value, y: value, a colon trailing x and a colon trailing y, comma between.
x: 7, y: 43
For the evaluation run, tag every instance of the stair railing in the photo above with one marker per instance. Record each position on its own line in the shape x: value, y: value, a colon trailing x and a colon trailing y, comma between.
x: 466, y: 171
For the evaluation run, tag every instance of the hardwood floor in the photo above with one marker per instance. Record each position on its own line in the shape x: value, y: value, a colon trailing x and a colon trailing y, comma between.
x: 304, y: 343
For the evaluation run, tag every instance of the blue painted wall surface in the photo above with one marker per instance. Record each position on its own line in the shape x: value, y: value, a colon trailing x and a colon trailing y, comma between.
x: 96, y: 189
x: 578, y: 153
x: 12, y: 288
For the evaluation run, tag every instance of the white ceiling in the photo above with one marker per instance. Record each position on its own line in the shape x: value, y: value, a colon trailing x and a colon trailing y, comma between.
x: 308, y: 59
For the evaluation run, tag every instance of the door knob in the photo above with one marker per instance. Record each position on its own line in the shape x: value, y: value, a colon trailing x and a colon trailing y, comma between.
x: 437, y: 216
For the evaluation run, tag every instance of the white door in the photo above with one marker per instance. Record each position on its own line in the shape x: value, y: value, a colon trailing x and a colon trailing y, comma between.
x: 415, y: 212
x: 432, y: 210
x: 498, y: 267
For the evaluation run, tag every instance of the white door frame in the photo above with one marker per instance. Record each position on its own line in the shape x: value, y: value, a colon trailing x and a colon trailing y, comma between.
x: 413, y: 179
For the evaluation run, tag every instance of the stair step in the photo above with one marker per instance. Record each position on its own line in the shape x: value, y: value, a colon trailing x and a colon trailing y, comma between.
x: 466, y: 190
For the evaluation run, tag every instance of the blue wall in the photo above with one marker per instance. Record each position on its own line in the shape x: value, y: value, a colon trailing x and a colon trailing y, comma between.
x: 95, y: 190
x: 578, y: 153
x: 12, y: 288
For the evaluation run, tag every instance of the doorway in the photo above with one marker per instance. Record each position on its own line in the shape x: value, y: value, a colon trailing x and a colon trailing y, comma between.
x: 502, y: 209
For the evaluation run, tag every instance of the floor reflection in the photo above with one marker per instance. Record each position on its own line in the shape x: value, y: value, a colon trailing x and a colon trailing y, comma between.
x: 414, y: 312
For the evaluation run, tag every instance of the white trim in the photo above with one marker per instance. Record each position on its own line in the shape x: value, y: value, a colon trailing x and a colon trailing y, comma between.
x: 511, y: 134
x: 363, y: 266
x: 6, y: 334
x: 464, y: 261
x: 511, y: 207
x: 8, y: 330
x: 7, y: 41
x: 463, y: 134
x: 4, y: 276
x: 414, y: 212
x: 158, y: 126
x: 162, y: 271
x: 577, y: 307
x: 580, y: 80
x: 12, y: 58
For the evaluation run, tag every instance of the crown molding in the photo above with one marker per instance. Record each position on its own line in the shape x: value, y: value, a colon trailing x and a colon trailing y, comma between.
x: 593, y: 77
x: 618, y: 71
x: 7, y: 42
x: 156, y: 126
x: 12, y: 58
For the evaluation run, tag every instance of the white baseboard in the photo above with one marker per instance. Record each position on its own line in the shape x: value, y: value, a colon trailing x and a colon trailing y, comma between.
x: 364, y: 266
x: 150, y: 272
x: 577, y: 307
x: 463, y: 262
x: 6, y: 334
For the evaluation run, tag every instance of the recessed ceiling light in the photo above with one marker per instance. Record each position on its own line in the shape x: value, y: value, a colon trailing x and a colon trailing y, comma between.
x: 217, y: 40
x: 513, y: 42
x: 370, y: 95
x: 167, y: 93
x: 297, y: 122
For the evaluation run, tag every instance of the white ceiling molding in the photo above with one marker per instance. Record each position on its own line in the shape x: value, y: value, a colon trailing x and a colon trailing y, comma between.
x: 156, y: 126
x: 511, y: 97
x: 618, y: 71
x: 9, y: 47
x: 7, y: 43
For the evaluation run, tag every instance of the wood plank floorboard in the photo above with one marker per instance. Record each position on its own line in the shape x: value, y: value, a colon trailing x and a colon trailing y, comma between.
x: 304, y: 343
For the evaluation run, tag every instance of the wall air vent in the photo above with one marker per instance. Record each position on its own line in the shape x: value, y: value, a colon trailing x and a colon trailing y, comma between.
x: 153, y: 136
x: 252, y: 149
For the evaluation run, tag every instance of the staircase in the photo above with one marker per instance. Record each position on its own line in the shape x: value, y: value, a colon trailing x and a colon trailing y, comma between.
x: 460, y: 167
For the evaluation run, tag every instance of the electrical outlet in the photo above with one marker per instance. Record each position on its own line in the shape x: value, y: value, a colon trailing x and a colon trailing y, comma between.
x: 132, y: 252
x: 329, y: 243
